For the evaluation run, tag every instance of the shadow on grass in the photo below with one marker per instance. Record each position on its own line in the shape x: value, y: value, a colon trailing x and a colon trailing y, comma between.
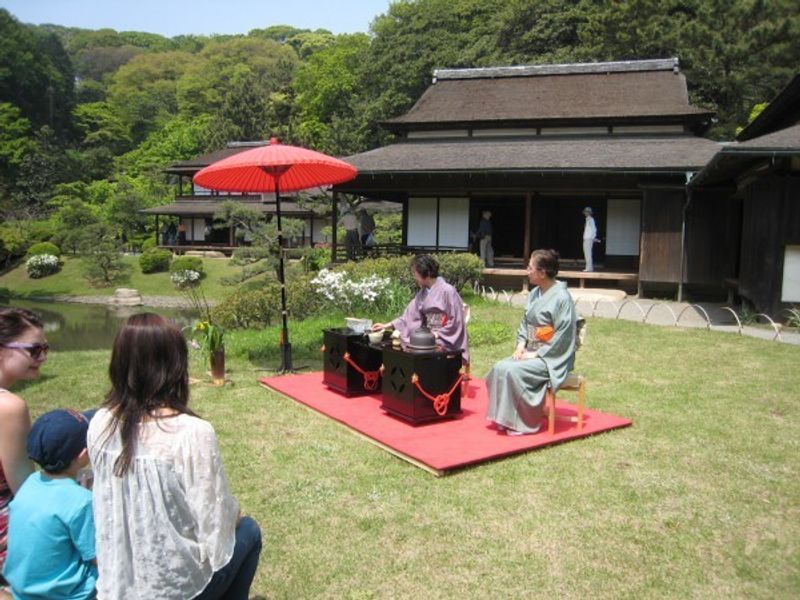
x: 22, y: 385
x: 305, y: 354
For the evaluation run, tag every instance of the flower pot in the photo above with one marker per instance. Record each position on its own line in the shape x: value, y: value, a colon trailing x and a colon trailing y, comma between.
x: 218, y: 366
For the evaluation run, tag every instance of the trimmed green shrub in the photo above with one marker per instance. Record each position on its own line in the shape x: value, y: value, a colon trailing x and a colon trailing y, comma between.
x: 149, y: 243
x: 155, y: 260
x: 259, y: 308
x: 187, y: 263
x: 247, y: 272
x: 246, y: 255
x: 396, y: 268
x: 459, y: 268
x: 315, y: 259
x: 301, y: 298
x: 143, y: 243
x: 248, y: 309
x: 44, y: 248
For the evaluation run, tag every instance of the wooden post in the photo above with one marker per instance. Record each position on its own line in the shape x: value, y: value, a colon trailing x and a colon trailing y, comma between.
x: 334, y: 219
x: 526, y: 244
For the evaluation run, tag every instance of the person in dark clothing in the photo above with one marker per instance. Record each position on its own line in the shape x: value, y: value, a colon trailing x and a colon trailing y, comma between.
x: 484, y: 237
x: 366, y: 226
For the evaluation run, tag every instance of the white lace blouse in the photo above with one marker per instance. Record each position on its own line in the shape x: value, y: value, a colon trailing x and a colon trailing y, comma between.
x: 170, y: 522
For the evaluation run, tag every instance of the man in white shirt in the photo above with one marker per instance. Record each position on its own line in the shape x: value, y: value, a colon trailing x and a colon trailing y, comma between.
x: 589, y: 237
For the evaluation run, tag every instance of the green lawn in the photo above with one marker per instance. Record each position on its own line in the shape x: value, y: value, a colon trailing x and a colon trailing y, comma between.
x: 70, y: 280
x: 700, y: 498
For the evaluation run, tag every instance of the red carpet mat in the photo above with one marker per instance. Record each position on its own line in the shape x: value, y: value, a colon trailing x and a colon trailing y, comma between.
x: 439, y: 446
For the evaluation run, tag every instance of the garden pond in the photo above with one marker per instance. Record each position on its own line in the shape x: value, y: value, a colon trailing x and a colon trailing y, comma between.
x: 72, y: 326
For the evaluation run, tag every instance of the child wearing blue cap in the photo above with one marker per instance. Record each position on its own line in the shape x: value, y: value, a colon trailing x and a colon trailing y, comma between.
x: 51, y: 551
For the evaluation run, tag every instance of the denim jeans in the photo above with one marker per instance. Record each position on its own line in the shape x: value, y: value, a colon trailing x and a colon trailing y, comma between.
x: 233, y: 581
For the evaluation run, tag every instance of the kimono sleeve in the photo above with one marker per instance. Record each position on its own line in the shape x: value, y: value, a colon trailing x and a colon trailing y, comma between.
x: 208, y: 494
x: 453, y: 330
x: 409, y: 320
x: 522, y: 331
x: 562, y: 313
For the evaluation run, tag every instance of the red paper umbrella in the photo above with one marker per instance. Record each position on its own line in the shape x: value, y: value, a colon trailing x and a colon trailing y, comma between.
x: 274, y: 168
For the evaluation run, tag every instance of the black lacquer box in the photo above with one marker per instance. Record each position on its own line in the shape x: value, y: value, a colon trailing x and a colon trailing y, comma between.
x: 351, y: 365
x: 437, y: 372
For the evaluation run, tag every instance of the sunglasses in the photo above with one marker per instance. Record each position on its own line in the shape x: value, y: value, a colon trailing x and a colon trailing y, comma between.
x: 34, y: 350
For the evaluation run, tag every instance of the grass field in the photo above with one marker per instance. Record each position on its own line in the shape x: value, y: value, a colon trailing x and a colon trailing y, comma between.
x: 700, y: 498
x: 70, y: 280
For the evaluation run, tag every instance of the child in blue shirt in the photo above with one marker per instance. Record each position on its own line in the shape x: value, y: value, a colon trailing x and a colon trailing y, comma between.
x: 51, y: 552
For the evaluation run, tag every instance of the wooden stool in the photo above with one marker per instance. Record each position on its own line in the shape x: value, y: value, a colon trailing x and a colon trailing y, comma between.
x: 575, y: 382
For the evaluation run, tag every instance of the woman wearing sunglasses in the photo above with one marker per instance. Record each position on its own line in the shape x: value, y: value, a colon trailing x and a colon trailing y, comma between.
x: 23, y: 349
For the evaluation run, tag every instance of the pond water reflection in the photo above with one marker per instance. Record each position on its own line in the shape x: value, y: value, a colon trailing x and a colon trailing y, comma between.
x: 89, y: 326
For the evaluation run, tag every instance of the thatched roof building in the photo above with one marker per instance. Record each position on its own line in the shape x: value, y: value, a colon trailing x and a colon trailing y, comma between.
x: 535, y: 144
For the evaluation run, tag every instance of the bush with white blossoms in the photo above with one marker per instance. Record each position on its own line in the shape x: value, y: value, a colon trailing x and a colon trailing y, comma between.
x: 185, y: 278
x: 41, y: 265
x: 350, y: 295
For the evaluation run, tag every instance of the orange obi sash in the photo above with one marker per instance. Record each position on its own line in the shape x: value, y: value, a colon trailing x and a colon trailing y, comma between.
x: 544, y: 333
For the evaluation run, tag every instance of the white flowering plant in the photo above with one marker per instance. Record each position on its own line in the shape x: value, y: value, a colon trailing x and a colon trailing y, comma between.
x: 185, y: 279
x: 352, y: 296
x: 42, y: 265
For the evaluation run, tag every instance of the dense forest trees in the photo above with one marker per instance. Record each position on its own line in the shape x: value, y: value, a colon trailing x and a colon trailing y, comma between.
x: 89, y: 118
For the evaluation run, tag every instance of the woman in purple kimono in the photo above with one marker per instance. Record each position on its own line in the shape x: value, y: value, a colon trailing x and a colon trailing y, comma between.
x: 437, y: 306
x: 544, y: 354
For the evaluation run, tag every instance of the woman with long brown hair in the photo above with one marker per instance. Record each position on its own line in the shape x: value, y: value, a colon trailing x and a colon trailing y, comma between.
x: 167, y: 523
x: 23, y: 349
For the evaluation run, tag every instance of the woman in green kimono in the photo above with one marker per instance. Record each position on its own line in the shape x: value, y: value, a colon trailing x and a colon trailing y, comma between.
x: 544, y: 354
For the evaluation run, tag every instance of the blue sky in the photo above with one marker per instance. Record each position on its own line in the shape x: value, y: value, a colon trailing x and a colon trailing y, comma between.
x: 175, y: 17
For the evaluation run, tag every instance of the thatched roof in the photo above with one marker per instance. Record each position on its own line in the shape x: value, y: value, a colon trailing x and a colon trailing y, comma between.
x: 677, y: 153
x: 193, y: 165
x: 775, y: 133
x: 784, y: 139
x: 590, y: 91
x: 737, y: 157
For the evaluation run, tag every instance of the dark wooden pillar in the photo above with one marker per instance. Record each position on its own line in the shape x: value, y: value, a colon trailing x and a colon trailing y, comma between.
x: 334, y: 219
x: 526, y: 243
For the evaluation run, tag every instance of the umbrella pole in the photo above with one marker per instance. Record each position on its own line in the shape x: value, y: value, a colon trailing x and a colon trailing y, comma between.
x: 285, y: 346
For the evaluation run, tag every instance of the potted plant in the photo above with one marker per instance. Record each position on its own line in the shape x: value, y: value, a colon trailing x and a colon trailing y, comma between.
x: 209, y: 336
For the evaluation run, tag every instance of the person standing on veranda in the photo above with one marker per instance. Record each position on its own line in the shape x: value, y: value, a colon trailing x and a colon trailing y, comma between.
x: 484, y: 237
x: 351, y: 240
x: 366, y: 226
x: 589, y: 238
